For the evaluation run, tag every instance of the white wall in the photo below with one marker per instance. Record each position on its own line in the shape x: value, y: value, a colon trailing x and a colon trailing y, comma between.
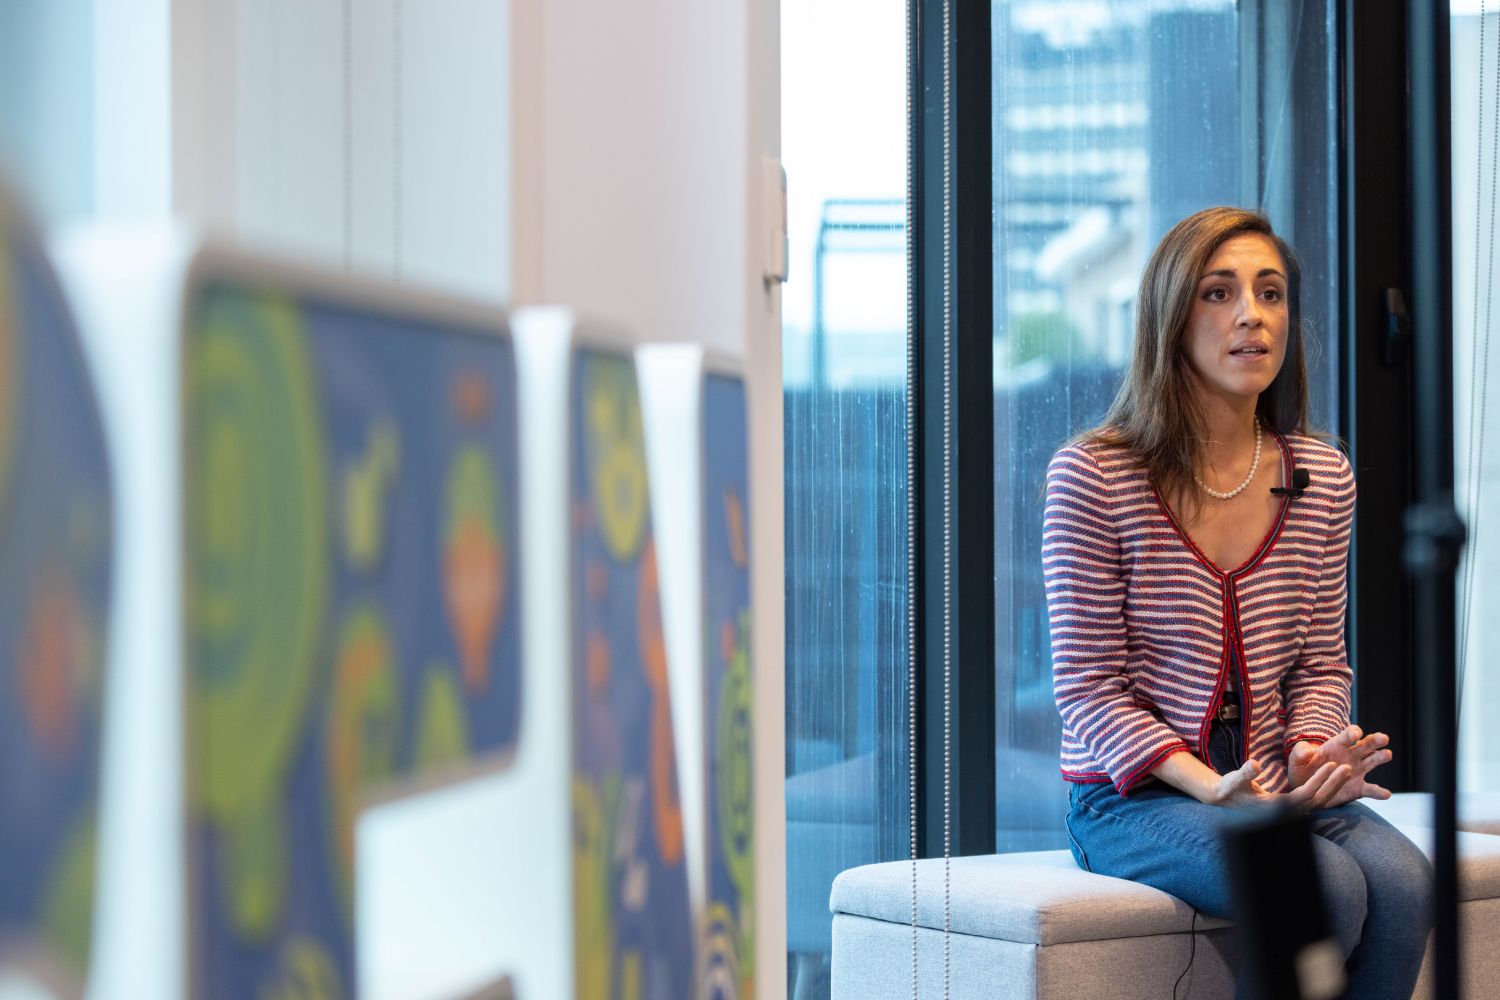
x: 374, y: 133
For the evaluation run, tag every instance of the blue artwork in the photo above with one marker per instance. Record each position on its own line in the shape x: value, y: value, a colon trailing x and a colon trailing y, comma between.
x: 55, y: 568
x: 633, y: 936
x: 353, y: 623
x: 728, y: 960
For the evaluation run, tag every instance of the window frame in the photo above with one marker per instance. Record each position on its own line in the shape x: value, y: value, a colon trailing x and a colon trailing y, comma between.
x: 952, y: 587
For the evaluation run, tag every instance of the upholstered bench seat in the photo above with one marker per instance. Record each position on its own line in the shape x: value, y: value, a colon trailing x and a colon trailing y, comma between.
x: 1478, y: 812
x: 1034, y: 925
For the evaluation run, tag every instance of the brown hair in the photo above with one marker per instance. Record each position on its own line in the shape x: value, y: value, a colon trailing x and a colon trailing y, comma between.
x: 1155, y: 414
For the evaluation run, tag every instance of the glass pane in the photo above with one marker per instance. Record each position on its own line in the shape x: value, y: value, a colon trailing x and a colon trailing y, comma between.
x: 1476, y: 421
x: 1113, y: 120
x: 844, y: 368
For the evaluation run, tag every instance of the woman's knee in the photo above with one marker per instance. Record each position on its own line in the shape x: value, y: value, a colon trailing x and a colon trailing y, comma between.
x: 1345, y: 894
x: 1401, y: 881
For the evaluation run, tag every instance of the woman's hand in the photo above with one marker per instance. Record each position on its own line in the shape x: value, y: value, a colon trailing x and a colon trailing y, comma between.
x: 1350, y: 748
x: 1321, y: 789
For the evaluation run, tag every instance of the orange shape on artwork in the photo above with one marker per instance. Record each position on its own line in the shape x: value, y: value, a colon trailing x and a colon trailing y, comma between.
x: 666, y: 807
x: 474, y: 587
x: 727, y: 641
x: 50, y: 669
x: 471, y: 397
x: 597, y: 662
x: 734, y: 525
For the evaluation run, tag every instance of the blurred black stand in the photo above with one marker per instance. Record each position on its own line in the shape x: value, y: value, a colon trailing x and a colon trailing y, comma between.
x: 1434, y: 533
x: 1286, y: 951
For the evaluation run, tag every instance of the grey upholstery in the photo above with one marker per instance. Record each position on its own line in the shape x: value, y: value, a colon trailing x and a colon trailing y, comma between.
x: 1478, y: 812
x: 1034, y: 925
x: 1038, y: 897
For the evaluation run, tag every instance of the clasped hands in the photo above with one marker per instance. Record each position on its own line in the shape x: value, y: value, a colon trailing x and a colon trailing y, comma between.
x: 1322, y: 775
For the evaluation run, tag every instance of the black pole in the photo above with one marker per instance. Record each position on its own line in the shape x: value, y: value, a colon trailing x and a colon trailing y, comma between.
x: 1434, y: 532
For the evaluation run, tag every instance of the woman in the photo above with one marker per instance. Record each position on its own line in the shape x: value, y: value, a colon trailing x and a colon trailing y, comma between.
x: 1197, y: 598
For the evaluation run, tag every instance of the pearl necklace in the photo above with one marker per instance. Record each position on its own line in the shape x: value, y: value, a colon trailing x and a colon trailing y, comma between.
x: 1254, y: 465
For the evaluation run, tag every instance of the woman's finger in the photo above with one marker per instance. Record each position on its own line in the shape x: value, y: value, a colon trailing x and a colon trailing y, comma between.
x: 1330, y: 786
x: 1337, y: 785
x: 1306, y: 793
x: 1372, y: 791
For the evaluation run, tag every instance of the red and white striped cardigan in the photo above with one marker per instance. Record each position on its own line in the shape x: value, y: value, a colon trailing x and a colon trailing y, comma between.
x: 1145, y: 628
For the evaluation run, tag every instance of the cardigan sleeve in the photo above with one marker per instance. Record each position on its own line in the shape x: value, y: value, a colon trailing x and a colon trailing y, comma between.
x: 1317, y: 691
x: 1086, y: 612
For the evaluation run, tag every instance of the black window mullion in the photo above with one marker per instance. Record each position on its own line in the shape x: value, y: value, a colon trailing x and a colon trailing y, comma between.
x: 1377, y: 402
x: 1398, y: 407
x: 954, y: 399
x: 1434, y: 537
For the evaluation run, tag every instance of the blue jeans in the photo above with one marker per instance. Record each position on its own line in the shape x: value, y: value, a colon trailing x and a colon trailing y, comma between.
x: 1377, y: 886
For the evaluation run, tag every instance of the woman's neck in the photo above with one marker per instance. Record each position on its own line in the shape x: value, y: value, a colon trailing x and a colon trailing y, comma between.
x: 1229, y: 434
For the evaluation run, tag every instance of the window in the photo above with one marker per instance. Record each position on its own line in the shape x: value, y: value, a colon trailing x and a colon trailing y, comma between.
x: 1112, y: 120
x: 844, y: 368
x: 1477, y: 474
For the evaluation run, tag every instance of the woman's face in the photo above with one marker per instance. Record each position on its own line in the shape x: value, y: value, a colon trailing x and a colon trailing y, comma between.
x: 1236, y: 333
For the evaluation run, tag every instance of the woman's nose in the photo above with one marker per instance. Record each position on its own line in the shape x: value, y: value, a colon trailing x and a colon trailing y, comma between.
x: 1249, y: 312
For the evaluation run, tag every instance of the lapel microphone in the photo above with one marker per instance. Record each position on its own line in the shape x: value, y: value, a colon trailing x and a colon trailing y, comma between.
x: 1300, y: 479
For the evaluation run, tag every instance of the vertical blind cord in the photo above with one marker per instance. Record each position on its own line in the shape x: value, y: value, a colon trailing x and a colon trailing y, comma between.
x: 911, y: 494
x: 1480, y: 362
x: 947, y: 467
x: 947, y: 511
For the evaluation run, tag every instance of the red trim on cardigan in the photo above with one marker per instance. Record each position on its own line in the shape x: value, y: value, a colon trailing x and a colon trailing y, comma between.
x: 1118, y: 567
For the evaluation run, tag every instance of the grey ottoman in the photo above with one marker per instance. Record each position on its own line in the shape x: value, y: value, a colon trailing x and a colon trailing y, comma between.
x: 1022, y: 925
x: 1034, y: 925
x: 1478, y: 812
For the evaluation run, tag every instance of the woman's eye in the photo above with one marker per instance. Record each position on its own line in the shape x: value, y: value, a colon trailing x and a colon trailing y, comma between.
x: 1216, y: 294
x: 1272, y: 294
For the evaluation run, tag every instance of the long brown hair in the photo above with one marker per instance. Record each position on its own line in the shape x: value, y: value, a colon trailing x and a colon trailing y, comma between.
x: 1155, y: 414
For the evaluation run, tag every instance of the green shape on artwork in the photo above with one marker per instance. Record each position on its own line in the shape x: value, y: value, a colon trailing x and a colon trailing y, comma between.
x: 69, y: 918
x: 473, y: 491
x: 257, y: 576
x: 307, y: 972
x: 443, y: 737
x: 367, y: 485
x: 615, y: 452
x: 595, y: 808
x: 734, y: 778
x: 255, y: 868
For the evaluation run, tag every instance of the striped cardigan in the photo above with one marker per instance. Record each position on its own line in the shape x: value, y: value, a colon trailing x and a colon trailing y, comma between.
x: 1145, y: 627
